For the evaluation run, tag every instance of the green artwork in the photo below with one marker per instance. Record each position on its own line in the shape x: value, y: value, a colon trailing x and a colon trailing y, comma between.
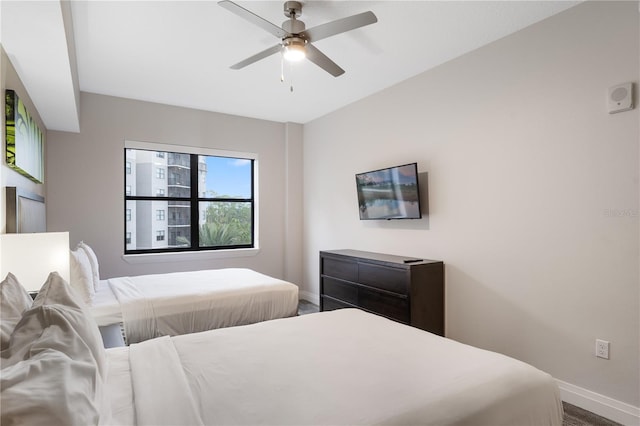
x: 25, y: 141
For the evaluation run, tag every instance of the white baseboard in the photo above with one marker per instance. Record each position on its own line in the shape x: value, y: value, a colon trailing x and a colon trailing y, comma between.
x: 311, y: 297
x: 599, y: 404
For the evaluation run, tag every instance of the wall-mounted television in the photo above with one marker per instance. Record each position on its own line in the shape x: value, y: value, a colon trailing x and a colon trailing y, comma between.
x: 391, y: 193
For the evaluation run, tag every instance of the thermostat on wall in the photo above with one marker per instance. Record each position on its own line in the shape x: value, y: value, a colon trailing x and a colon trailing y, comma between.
x: 620, y: 98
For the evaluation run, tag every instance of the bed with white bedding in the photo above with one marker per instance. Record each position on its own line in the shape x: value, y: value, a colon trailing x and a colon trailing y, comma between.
x: 155, y: 305
x: 340, y: 367
x: 329, y: 368
x: 147, y: 306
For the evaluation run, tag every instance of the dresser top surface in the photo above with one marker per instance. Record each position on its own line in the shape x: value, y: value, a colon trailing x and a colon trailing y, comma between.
x: 380, y: 257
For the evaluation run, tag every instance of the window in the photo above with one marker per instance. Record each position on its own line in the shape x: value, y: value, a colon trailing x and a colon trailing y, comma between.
x: 127, y: 167
x: 127, y: 189
x: 127, y: 238
x: 207, y: 204
x: 160, y: 154
x: 127, y: 215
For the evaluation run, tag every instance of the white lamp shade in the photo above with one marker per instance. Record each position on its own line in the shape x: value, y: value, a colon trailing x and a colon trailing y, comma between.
x: 32, y: 257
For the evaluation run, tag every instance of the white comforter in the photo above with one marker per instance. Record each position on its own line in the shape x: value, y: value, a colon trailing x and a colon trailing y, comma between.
x: 187, y: 302
x: 343, y: 367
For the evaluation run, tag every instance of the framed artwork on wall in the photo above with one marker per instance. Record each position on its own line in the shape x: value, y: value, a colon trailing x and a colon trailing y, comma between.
x: 24, y: 139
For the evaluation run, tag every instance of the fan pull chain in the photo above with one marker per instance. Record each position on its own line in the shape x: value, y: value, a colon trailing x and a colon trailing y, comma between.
x: 291, y: 74
x: 282, y: 73
x: 281, y: 68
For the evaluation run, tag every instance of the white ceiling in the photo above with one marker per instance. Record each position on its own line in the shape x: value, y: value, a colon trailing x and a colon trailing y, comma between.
x: 179, y: 52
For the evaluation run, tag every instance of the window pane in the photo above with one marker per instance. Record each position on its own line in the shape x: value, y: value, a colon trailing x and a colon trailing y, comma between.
x: 224, y: 177
x: 150, y: 225
x: 156, y: 173
x: 179, y: 223
x: 225, y: 224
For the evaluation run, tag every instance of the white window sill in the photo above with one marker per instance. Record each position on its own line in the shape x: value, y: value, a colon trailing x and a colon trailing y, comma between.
x: 188, y: 255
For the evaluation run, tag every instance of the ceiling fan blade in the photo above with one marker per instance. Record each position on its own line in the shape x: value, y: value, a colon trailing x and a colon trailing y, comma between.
x: 255, y: 58
x: 253, y: 18
x: 340, y: 26
x: 321, y: 60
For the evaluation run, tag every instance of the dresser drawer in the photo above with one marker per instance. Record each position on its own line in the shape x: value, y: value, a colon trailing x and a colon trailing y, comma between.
x: 329, y: 304
x: 388, y: 305
x: 338, y: 268
x: 383, y: 277
x: 340, y: 290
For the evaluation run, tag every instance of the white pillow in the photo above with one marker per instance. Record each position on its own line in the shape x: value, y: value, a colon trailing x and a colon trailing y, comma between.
x: 93, y: 260
x: 56, y: 292
x: 54, y: 370
x: 81, y: 276
x: 14, y: 300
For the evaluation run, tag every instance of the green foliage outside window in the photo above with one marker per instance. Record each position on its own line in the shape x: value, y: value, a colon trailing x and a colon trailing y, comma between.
x: 226, y: 224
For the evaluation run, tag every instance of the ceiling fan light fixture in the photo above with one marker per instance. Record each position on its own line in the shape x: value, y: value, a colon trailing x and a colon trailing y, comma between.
x: 294, y: 50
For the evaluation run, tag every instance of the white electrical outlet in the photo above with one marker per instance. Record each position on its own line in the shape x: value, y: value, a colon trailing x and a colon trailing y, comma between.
x: 602, y: 349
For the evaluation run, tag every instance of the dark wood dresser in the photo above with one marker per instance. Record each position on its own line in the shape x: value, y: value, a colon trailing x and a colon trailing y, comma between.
x: 404, y: 289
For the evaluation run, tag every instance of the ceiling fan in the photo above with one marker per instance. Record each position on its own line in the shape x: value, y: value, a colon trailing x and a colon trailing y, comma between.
x: 296, y: 41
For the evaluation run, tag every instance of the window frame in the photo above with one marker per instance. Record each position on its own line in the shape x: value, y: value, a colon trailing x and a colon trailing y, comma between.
x: 194, y: 202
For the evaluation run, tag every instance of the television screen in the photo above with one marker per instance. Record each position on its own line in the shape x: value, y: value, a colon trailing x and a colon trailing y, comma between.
x: 390, y: 193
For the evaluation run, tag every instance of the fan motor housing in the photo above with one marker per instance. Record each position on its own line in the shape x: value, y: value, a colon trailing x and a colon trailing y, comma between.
x: 293, y: 26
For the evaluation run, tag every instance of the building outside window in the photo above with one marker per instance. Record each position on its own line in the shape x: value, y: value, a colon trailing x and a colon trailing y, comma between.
x: 127, y: 167
x: 208, y: 202
x: 127, y: 214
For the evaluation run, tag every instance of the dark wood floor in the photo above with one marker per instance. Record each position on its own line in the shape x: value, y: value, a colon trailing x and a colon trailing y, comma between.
x: 573, y: 416
x: 305, y: 307
x: 576, y: 416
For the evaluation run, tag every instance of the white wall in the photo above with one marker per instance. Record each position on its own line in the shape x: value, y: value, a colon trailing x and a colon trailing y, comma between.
x: 85, y: 175
x: 533, y: 192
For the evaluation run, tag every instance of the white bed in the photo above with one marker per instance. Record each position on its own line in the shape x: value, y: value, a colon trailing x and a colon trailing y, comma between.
x: 155, y: 305
x: 147, y: 306
x: 329, y: 368
x: 340, y: 367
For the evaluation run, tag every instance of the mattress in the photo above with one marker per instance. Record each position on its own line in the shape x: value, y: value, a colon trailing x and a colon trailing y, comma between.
x: 185, y: 302
x: 343, y: 367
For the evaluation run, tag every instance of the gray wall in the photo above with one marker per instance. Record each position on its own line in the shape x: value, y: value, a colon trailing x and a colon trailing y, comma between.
x: 533, y: 192
x: 85, y: 175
